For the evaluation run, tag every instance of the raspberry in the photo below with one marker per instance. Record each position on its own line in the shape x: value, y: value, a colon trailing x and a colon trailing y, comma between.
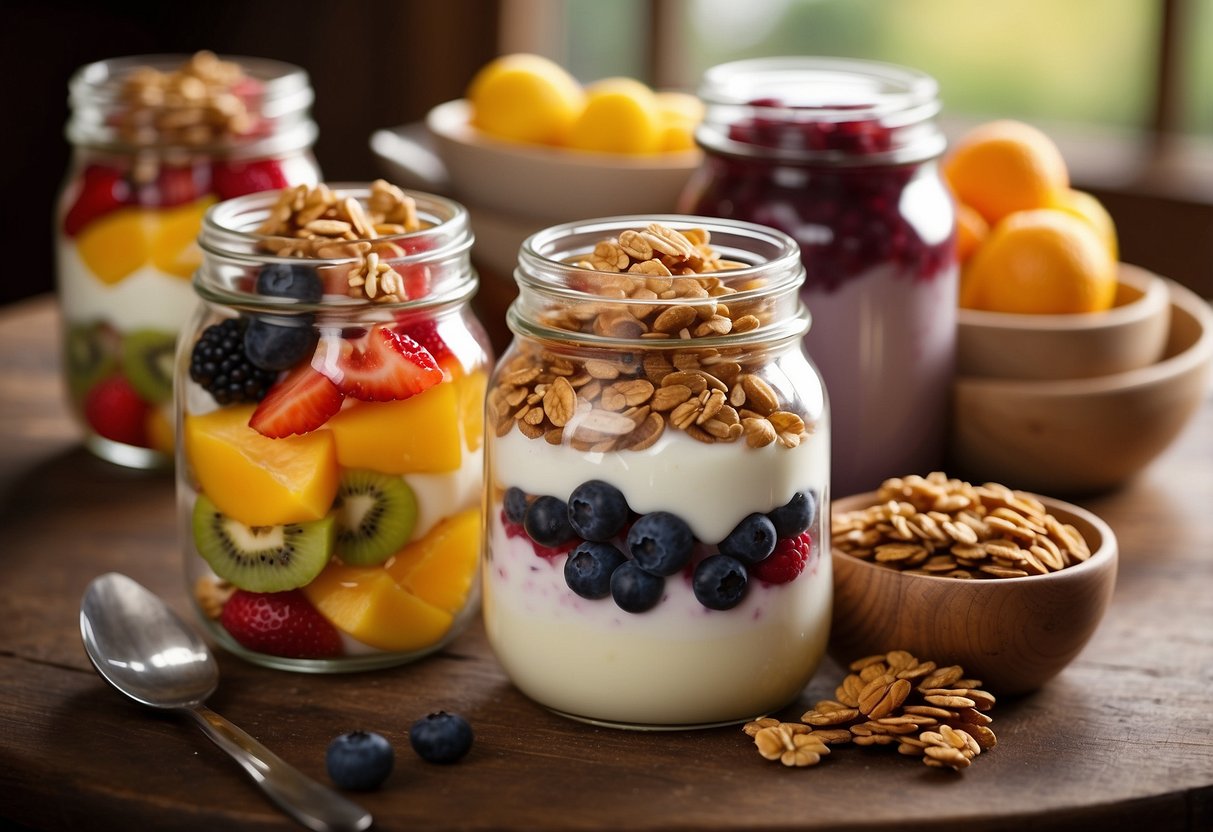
x: 786, y: 562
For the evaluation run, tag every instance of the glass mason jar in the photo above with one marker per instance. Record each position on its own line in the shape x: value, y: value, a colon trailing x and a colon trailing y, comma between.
x: 842, y: 155
x: 657, y: 475
x: 156, y: 140
x: 329, y: 455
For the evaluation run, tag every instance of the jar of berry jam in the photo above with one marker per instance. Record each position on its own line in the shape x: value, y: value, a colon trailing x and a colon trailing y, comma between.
x: 156, y: 141
x: 657, y: 475
x: 842, y: 155
x: 330, y: 394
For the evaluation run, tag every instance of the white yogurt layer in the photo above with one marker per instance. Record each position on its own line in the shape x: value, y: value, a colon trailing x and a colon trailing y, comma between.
x: 145, y: 299
x: 711, y: 487
x: 442, y: 495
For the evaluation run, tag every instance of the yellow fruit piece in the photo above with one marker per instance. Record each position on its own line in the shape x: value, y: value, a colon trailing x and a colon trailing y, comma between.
x: 525, y: 98
x: 621, y: 115
x: 440, y: 567
x: 680, y: 115
x: 1040, y: 262
x: 971, y: 232
x: 471, y: 408
x: 1005, y: 166
x: 417, y: 435
x: 367, y: 604
x: 117, y: 244
x: 1082, y: 204
x: 175, y: 241
x: 160, y: 431
x: 257, y: 480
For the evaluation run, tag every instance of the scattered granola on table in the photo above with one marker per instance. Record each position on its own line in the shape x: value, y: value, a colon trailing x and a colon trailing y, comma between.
x: 895, y: 699
x: 945, y: 527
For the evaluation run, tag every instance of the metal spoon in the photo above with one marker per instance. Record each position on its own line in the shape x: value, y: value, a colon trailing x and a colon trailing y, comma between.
x: 143, y: 649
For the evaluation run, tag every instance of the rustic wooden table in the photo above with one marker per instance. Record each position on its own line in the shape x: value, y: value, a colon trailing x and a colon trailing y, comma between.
x: 1121, y: 740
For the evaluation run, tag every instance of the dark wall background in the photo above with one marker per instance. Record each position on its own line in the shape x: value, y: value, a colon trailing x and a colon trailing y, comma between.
x: 373, y: 63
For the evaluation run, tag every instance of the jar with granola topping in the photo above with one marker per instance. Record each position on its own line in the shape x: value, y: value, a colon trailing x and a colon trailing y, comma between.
x: 156, y: 141
x: 842, y: 155
x: 657, y: 475
x: 330, y: 394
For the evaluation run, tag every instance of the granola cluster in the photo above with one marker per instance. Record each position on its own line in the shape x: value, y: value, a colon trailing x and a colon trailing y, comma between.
x: 892, y: 699
x: 625, y: 400
x: 934, y: 525
x: 192, y: 105
x: 315, y: 221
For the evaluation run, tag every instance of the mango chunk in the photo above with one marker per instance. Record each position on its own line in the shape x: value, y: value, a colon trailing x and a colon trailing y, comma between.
x: 418, y: 435
x: 174, y: 245
x: 440, y: 567
x: 117, y: 244
x: 367, y: 604
x: 256, y: 480
x: 471, y: 408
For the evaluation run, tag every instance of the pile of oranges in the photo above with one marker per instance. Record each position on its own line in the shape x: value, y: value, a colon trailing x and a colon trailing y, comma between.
x: 1027, y: 242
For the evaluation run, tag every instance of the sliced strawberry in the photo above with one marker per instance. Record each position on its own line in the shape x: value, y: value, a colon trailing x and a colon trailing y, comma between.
x: 425, y: 332
x: 114, y: 410
x: 233, y: 179
x: 388, y: 367
x: 416, y: 280
x: 280, y: 624
x: 786, y: 562
x: 299, y: 403
x: 102, y: 189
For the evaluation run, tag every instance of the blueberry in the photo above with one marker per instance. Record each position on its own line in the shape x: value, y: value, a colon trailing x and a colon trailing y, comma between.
x: 720, y: 582
x: 661, y: 542
x: 634, y: 589
x: 272, y: 345
x: 359, y: 760
x: 597, y: 510
x: 547, y: 521
x: 514, y: 504
x: 441, y: 737
x: 795, y: 517
x: 589, y: 567
x: 752, y: 540
x: 290, y: 280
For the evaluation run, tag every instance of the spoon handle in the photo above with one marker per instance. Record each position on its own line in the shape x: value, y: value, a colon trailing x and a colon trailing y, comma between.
x: 315, y: 806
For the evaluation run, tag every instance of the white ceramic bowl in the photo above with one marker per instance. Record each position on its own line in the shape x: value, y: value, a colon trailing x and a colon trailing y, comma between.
x: 1130, y: 335
x: 1085, y: 435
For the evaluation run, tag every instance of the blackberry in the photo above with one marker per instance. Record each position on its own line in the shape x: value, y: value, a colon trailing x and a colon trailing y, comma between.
x: 221, y: 366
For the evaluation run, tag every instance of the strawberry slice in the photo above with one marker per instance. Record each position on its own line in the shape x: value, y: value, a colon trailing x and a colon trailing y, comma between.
x: 425, y: 332
x: 102, y: 189
x: 280, y: 624
x: 299, y: 403
x: 389, y: 367
x: 233, y: 179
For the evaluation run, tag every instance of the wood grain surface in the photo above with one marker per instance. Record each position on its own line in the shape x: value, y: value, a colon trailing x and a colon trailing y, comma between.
x: 1119, y: 740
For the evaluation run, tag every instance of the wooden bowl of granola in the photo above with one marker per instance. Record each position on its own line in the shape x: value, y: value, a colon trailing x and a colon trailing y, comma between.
x: 1012, y: 623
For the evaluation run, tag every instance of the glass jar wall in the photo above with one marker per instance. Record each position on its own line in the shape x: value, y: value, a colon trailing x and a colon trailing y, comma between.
x: 156, y: 141
x: 657, y: 478
x: 841, y: 155
x: 330, y: 400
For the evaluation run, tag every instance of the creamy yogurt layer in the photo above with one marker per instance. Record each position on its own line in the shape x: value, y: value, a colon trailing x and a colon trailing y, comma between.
x: 145, y: 299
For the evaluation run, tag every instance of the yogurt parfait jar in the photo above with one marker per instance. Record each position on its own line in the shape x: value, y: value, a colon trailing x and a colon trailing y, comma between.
x: 329, y: 393
x: 657, y: 475
x: 842, y: 155
x: 156, y: 141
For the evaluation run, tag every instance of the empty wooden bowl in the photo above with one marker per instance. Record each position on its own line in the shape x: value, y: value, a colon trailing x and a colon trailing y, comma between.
x: 1085, y: 435
x: 1130, y: 335
x: 1012, y: 633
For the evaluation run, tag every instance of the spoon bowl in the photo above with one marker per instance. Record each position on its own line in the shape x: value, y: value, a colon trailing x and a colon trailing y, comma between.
x: 147, y: 652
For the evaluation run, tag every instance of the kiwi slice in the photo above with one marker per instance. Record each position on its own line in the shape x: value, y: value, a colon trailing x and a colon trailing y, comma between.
x: 375, y: 516
x: 261, y: 558
x: 147, y: 363
x: 90, y: 354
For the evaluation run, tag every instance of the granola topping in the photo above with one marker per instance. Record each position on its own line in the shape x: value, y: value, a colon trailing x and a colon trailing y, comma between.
x: 934, y: 525
x: 625, y: 401
x: 889, y: 700
x: 192, y: 105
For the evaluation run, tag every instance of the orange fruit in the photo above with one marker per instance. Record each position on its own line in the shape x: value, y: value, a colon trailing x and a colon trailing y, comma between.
x: 525, y: 98
x: 1082, y: 204
x: 1040, y: 262
x: 1006, y: 166
x: 621, y: 115
x: 971, y: 231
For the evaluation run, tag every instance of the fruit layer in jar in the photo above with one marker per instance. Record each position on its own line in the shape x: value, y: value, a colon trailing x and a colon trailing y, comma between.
x: 170, y: 145
x: 332, y: 457
x: 654, y: 535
